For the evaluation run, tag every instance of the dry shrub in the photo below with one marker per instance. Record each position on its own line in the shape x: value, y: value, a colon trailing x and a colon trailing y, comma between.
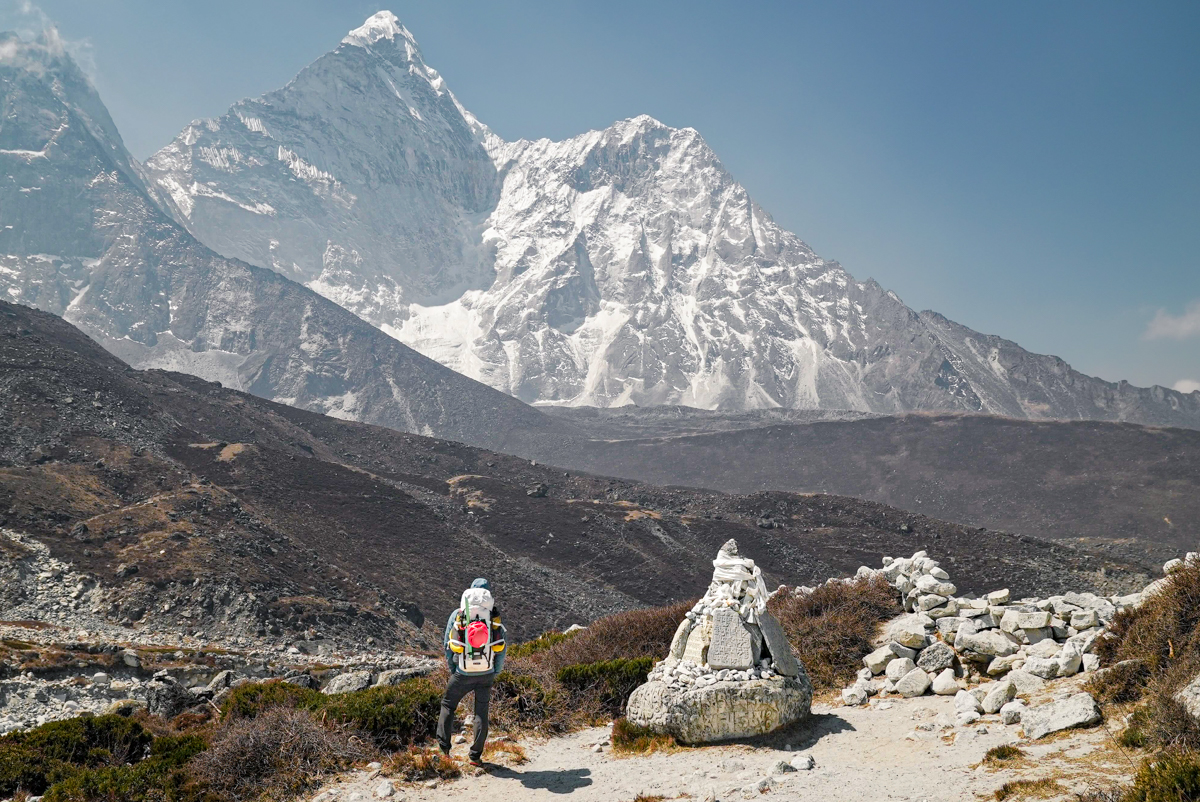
x: 1153, y: 651
x: 630, y: 739
x: 832, y: 627
x: 276, y: 755
x: 1004, y: 755
x: 1037, y: 789
x: 514, y: 753
x: 415, y: 764
x: 638, y: 633
x: 1173, y: 777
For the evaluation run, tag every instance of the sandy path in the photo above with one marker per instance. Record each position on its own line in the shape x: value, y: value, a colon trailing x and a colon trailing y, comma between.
x: 896, y: 751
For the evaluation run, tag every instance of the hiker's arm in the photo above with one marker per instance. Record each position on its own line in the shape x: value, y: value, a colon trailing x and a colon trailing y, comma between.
x: 499, y: 638
x: 446, y: 641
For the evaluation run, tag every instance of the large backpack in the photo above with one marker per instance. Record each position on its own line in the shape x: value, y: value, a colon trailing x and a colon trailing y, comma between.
x: 473, y: 642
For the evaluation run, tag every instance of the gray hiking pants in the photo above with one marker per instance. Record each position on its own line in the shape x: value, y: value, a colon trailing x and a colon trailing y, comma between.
x: 460, y: 685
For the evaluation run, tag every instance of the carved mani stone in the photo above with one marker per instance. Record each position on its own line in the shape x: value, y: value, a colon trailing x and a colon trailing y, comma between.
x: 732, y: 644
x: 777, y: 644
x: 697, y: 646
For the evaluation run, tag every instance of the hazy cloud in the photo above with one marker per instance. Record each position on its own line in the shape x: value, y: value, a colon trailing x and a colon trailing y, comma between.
x: 40, y: 38
x: 1187, y: 386
x: 1166, y: 326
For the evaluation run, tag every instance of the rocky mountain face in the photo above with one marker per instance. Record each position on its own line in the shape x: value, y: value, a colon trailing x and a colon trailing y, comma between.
x: 620, y: 266
x: 81, y: 237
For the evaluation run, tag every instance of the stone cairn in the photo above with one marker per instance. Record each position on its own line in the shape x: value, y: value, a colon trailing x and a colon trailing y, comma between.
x: 730, y: 672
x: 987, y: 650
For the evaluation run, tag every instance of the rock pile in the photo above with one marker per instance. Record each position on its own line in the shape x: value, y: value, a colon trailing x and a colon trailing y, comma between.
x: 730, y: 672
x: 945, y: 643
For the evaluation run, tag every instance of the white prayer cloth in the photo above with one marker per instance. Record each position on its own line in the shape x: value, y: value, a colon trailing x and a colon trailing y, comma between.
x: 737, y: 582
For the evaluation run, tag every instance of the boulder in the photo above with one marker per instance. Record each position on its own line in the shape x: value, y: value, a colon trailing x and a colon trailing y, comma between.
x: 1002, y: 665
x: 348, y: 682
x: 937, y: 657
x: 1011, y: 712
x: 914, y: 683
x: 1044, y: 667
x: 990, y: 642
x: 723, y: 710
x: 998, y: 695
x: 1189, y: 697
x: 929, y: 584
x: 998, y: 596
x: 878, y: 660
x: 965, y: 700
x: 1038, y: 620
x: 167, y: 698
x: 948, y: 625
x: 1070, y: 661
x: 898, y: 668
x: 945, y: 684
x: 1084, y: 619
x: 1079, y: 710
x: 855, y: 695
x: 1026, y: 683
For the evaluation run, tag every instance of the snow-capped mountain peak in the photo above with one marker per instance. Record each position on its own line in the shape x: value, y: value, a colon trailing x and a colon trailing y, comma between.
x: 624, y: 265
x: 383, y: 25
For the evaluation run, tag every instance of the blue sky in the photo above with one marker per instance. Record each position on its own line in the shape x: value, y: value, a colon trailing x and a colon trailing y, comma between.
x: 1027, y: 169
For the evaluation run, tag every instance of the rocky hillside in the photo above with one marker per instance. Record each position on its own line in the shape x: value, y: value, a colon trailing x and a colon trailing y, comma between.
x: 182, y: 504
x: 625, y: 265
x: 1132, y: 490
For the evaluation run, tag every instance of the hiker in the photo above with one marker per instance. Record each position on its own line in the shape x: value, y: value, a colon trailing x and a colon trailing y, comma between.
x: 474, y: 645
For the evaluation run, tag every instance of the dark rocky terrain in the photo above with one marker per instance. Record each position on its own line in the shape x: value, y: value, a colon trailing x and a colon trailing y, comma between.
x: 211, y: 511
x: 1127, y: 489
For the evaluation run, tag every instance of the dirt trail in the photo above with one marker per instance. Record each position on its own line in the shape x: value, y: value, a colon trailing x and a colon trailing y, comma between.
x: 894, y: 750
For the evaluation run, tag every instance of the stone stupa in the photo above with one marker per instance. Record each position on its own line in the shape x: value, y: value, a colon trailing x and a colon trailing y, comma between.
x: 731, y: 672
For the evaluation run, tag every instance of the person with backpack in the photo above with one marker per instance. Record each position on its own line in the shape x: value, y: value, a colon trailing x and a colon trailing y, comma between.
x: 474, y: 645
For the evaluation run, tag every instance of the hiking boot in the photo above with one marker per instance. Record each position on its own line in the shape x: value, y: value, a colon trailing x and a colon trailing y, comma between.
x: 476, y: 762
x: 445, y: 749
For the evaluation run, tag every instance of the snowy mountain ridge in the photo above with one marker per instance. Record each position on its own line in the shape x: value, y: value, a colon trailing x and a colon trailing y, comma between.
x: 624, y: 265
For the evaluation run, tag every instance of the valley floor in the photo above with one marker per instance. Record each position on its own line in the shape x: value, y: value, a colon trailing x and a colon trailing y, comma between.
x: 895, y: 749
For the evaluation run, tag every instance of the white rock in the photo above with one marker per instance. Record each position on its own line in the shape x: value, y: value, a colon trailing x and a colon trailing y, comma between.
x: 999, y: 596
x: 1084, y: 619
x: 385, y: 790
x: 1070, y: 661
x: 965, y: 700
x: 878, y: 660
x: 1091, y: 662
x: 999, y: 694
x: 803, y: 762
x: 914, y: 683
x: 854, y: 695
x: 899, y: 668
x: 1044, y: 667
x: 1171, y: 566
x: 1079, y: 710
x: 782, y: 767
x: 1038, y: 620
x: 1026, y: 683
x: 1011, y: 712
x: 939, y: 573
x: 945, y: 684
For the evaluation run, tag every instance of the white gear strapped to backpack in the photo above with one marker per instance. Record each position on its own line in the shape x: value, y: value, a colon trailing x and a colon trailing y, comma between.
x: 477, y: 635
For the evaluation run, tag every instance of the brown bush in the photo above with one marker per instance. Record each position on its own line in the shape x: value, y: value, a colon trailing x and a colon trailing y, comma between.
x: 630, y: 739
x: 1153, y: 651
x: 415, y: 764
x: 832, y: 628
x: 513, y: 753
x: 275, y: 756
